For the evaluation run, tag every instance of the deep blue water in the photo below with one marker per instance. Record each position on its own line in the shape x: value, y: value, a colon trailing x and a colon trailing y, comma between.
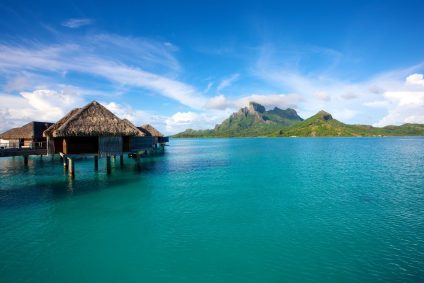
x: 221, y: 210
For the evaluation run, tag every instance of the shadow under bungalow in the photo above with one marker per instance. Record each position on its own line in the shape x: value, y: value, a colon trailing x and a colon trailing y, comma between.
x: 92, y: 130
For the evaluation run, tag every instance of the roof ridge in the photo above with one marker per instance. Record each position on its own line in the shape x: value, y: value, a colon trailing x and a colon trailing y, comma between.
x: 49, y: 131
x: 73, y: 116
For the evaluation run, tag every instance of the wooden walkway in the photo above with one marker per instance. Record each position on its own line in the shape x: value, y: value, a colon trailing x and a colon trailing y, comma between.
x: 8, y: 152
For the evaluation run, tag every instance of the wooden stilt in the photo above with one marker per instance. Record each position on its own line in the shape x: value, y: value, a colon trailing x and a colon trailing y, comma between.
x: 122, y: 160
x: 65, y: 163
x: 26, y: 160
x: 138, y: 161
x: 108, y: 165
x: 71, y: 168
x: 96, y: 163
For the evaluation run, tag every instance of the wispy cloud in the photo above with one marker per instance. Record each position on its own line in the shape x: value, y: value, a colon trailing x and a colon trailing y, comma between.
x: 227, y: 82
x: 36, y: 71
x: 268, y: 100
x: 78, y: 58
x: 77, y: 23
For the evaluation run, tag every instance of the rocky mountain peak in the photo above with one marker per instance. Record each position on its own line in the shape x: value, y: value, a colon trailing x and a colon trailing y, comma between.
x: 324, y: 115
x: 256, y: 107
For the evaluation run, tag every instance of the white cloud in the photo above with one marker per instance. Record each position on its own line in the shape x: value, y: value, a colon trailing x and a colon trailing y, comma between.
x: 52, y: 105
x: 398, y: 94
x: 269, y: 100
x: 181, y: 121
x: 322, y: 95
x: 279, y: 100
x: 18, y: 83
x: 349, y: 95
x: 136, y: 116
x: 227, y: 82
x: 344, y: 114
x: 76, y: 23
x: 40, y: 105
x: 175, y: 123
x: 208, y: 87
x: 414, y: 119
x: 219, y: 102
x: 406, y: 103
x: 404, y: 98
x: 377, y: 103
x: 415, y: 79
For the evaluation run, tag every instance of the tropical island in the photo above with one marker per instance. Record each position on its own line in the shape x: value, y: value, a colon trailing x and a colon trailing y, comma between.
x: 256, y: 121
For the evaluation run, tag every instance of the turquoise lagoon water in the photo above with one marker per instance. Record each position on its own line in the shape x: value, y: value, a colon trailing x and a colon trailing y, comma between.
x: 221, y: 210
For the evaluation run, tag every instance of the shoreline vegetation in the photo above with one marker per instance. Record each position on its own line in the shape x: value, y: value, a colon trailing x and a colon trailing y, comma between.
x: 255, y: 121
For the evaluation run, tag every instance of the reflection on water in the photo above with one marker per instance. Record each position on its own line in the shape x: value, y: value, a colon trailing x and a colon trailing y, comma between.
x: 45, y: 178
x: 220, y: 210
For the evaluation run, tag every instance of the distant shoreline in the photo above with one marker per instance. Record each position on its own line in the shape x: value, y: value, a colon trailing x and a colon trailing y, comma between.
x: 263, y: 137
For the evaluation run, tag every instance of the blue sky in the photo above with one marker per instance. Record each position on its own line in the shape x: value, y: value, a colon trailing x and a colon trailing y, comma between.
x: 189, y: 64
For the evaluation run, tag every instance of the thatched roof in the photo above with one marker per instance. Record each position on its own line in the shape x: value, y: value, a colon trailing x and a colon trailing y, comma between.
x: 49, y: 131
x: 32, y: 130
x: 149, y: 130
x: 92, y: 120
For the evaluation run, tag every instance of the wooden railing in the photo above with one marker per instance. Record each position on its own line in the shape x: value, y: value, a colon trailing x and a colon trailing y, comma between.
x: 17, y: 145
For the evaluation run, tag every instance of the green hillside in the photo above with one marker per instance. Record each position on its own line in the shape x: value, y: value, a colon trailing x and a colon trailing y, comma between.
x: 322, y: 124
x: 255, y: 121
x: 249, y: 121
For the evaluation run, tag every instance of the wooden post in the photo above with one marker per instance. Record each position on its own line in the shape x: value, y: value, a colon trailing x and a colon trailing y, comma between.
x: 122, y: 160
x: 71, y: 168
x: 64, y: 146
x: 108, y: 166
x: 96, y: 163
x: 26, y: 160
x: 65, y: 163
x: 137, y: 159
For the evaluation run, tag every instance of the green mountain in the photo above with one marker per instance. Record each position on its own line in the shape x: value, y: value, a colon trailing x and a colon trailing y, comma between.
x: 322, y: 124
x: 249, y: 121
x: 254, y: 121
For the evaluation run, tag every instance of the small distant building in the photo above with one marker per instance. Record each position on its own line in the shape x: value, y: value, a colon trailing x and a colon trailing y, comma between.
x: 92, y: 129
x: 152, y: 137
x: 28, y: 136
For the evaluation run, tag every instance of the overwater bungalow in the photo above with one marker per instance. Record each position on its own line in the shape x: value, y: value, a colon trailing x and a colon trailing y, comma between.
x: 28, y: 136
x: 153, y: 138
x: 95, y: 131
x: 92, y: 129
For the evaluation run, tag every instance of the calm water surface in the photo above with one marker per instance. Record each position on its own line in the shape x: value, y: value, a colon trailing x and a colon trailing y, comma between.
x: 221, y: 210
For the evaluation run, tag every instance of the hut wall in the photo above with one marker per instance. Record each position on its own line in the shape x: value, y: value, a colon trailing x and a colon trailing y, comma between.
x: 51, y: 148
x: 27, y: 142
x: 126, y: 144
x: 81, y: 145
x: 163, y: 139
x: 38, y: 129
x: 9, y: 143
x: 139, y: 143
x: 58, y: 145
x: 110, y: 145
